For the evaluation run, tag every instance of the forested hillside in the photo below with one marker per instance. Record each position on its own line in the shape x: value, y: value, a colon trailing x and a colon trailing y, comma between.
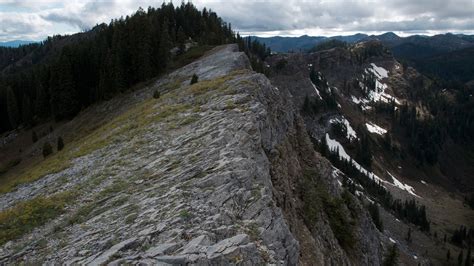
x: 64, y: 74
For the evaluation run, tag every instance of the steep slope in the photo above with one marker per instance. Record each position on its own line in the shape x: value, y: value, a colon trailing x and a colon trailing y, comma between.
x: 218, y: 172
x: 350, y: 89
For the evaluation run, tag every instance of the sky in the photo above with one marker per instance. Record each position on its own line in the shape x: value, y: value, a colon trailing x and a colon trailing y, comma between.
x: 35, y: 20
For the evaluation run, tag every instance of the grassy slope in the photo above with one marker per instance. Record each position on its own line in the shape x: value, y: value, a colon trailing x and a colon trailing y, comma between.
x: 82, y: 135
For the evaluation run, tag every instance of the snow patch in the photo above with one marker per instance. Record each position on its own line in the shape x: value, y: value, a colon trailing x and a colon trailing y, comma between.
x: 392, y: 240
x: 316, y: 90
x: 402, y: 186
x: 380, y: 72
x: 423, y: 182
x: 351, y: 134
x: 373, y: 128
x: 334, y: 146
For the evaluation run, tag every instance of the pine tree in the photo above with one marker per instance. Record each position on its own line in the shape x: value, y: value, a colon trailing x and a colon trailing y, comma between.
x: 408, y: 238
x: 460, y: 257
x: 12, y: 108
x: 27, y: 115
x: 165, y: 44
x: 391, y: 258
x: 34, y: 137
x: 64, y: 98
x: 324, y: 148
x: 194, y: 79
x: 181, y: 39
x: 448, y: 255
x: 41, y: 101
x: 47, y: 149
x: 468, y: 261
x: 375, y: 214
x: 60, y: 143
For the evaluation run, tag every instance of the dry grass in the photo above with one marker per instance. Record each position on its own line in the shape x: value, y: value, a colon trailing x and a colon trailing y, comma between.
x: 25, y: 216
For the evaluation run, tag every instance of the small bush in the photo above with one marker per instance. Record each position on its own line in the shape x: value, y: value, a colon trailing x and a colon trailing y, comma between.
x: 60, y: 143
x: 47, y: 149
x: 34, y: 137
x: 156, y: 94
x: 194, y: 79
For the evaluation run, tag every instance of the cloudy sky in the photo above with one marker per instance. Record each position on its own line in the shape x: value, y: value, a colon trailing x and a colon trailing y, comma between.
x: 34, y: 20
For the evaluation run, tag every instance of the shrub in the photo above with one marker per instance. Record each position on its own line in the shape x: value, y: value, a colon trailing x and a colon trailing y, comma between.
x: 194, y: 79
x: 47, y: 149
x: 156, y: 94
x: 34, y: 137
x: 60, y: 143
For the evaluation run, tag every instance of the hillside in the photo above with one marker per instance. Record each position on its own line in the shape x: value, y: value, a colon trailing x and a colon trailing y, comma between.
x: 165, y: 138
x: 140, y: 187
x: 353, y: 101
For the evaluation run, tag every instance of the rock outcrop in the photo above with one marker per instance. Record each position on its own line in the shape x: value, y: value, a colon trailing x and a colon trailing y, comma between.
x: 208, y: 174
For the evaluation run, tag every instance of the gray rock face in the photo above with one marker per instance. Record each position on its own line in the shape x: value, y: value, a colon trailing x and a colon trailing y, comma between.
x: 205, y: 175
x: 193, y: 187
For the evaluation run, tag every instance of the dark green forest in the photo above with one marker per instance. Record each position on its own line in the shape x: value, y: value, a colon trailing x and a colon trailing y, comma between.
x: 64, y: 74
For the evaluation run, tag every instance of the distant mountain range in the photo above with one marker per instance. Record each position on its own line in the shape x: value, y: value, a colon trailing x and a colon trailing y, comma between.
x: 450, y: 53
x: 15, y: 43
x: 429, y: 44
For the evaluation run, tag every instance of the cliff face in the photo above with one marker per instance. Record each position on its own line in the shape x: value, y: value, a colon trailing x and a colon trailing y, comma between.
x: 218, y: 172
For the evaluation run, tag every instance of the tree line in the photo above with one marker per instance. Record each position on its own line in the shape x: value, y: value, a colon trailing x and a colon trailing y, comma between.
x: 105, y: 61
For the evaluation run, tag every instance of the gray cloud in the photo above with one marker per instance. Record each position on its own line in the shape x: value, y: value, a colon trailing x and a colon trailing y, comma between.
x: 289, y: 17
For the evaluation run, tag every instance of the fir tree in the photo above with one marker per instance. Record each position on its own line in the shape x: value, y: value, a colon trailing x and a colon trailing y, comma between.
x: 47, y: 149
x: 27, y: 115
x: 64, y: 98
x: 408, y: 238
x: 375, y: 214
x: 34, y: 137
x: 60, y: 143
x: 468, y: 261
x: 391, y: 258
x: 12, y: 108
x: 181, y: 39
x: 41, y: 102
x: 194, y: 79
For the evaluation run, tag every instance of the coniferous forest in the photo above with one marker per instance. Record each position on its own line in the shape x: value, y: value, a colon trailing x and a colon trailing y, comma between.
x: 65, y: 74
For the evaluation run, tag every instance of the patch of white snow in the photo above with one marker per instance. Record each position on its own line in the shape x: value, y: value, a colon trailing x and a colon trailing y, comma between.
x: 373, y: 128
x: 351, y: 134
x: 316, y: 90
x: 402, y: 186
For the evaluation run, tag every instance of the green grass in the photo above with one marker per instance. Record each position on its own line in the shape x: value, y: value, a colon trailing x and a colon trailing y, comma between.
x: 25, y: 216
